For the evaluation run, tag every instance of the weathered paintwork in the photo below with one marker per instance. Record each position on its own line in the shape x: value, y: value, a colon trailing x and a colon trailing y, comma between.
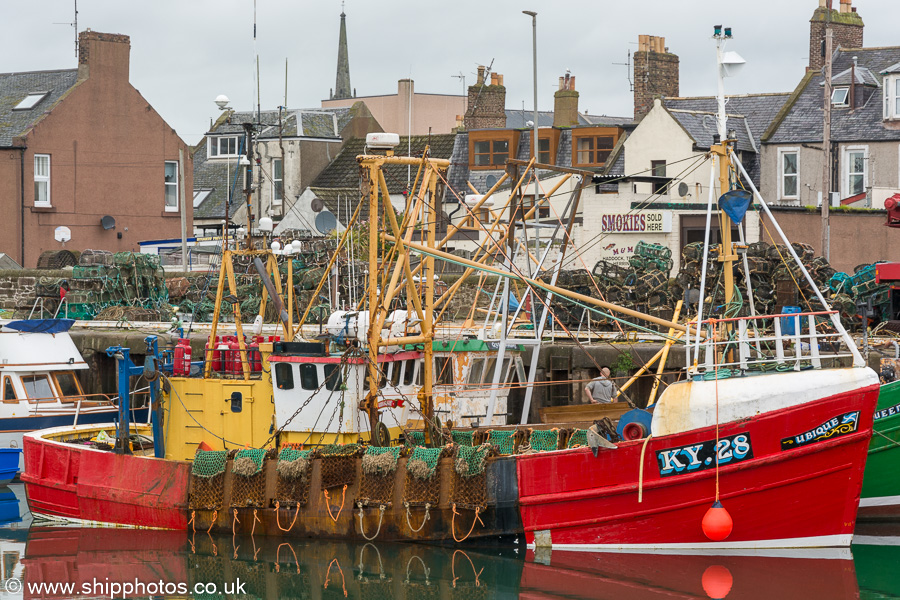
x: 691, y: 405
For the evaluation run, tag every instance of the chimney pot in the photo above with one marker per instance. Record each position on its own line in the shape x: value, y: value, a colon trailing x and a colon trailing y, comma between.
x: 572, y: 83
x: 500, y: 77
x: 494, y: 79
x: 480, y: 75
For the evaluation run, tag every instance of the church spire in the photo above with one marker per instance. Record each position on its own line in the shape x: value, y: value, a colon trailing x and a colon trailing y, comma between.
x: 342, y: 88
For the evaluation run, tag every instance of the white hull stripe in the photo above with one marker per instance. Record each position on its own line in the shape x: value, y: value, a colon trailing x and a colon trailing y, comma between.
x: 823, y: 541
x: 879, y: 501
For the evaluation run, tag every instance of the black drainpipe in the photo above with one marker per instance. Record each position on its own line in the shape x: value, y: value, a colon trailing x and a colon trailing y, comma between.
x: 22, y: 204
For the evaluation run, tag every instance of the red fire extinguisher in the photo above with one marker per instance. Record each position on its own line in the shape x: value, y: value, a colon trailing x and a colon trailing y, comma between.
x: 182, y: 364
x: 255, y: 357
x: 234, y: 357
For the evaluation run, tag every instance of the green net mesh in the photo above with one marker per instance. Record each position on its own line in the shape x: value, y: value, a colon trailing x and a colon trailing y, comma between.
x: 255, y: 454
x: 578, y: 438
x: 543, y: 440
x: 463, y: 438
x: 339, y: 450
x: 208, y: 464
x: 428, y: 456
x: 292, y: 454
x: 380, y: 460
x: 470, y: 460
x: 415, y: 438
x: 504, y: 440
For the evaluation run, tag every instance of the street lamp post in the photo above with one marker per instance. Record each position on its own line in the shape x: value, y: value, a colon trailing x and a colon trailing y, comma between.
x: 534, y: 141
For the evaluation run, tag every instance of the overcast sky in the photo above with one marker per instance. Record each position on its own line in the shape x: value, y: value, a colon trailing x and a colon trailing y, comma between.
x: 186, y: 52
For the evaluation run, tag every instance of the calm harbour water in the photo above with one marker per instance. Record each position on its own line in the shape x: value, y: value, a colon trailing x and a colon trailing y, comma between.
x: 99, y: 563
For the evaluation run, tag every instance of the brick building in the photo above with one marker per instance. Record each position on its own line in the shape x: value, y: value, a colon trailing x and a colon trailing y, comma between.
x: 655, y: 74
x: 77, y: 145
x: 846, y: 26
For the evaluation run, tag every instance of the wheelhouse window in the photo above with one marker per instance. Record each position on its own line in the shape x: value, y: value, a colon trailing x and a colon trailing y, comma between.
x: 409, y: 372
x: 443, y: 370
x: 309, y: 377
x: 9, y: 391
x: 67, y: 384
x: 277, y: 181
x: 222, y: 147
x: 475, y: 371
x: 491, y: 149
x: 284, y: 376
x: 38, y: 388
x: 788, y: 173
x: 42, y: 180
x: 333, y: 379
x: 593, y: 146
x: 171, y: 186
x: 395, y: 373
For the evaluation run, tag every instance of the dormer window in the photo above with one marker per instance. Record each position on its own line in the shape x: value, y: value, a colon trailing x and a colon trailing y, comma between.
x: 223, y: 147
x: 892, y: 97
x: 840, y: 97
x: 30, y: 101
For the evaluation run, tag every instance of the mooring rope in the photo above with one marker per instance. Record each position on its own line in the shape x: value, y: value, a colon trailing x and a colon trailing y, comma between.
x: 328, y: 504
x: 427, y: 516
x: 362, y: 531
x: 278, y: 520
x: 641, y: 470
x: 477, y: 519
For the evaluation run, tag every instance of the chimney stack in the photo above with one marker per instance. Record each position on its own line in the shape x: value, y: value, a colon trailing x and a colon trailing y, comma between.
x: 565, y: 103
x: 103, y: 54
x: 486, y: 105
x: 655, y: 74
x: 847, y: 27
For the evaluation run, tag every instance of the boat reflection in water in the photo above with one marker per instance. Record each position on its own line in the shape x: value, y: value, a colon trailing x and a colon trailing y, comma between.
x: 811, y: 573
x: 265, y: 568
x: 876, y: 553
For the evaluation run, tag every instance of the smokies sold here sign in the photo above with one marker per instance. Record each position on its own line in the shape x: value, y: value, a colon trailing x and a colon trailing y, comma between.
x: 637, y: 222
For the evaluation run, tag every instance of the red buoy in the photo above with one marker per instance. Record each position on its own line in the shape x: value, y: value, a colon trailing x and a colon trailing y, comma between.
x: 717, y: 523
x: 717, y: 581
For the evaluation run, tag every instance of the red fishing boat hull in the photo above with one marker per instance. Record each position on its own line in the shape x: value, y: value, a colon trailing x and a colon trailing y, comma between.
x: 81, y: 484
x: 802, y: 495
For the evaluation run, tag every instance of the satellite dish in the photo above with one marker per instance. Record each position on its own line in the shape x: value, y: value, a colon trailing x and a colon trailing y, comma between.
x: 325, y: 222
x: 317, y: 205
x: 490, y: 181
x: 682, y: 189
x: 62, y: 234
x: 108, y: 222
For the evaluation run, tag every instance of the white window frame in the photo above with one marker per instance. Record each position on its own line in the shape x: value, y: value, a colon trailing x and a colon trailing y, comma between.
x: 30, y: 101
x: 214, y: 146
x: 276, y: 201
x: 42, y: 179
x: 781, y: 174
x: 845, y: 169
x: 846, y: 98
x: 891, y: 92
x: 169, y: 183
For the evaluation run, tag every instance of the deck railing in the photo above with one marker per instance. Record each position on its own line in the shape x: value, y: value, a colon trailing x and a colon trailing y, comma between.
x: 791, y: 341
